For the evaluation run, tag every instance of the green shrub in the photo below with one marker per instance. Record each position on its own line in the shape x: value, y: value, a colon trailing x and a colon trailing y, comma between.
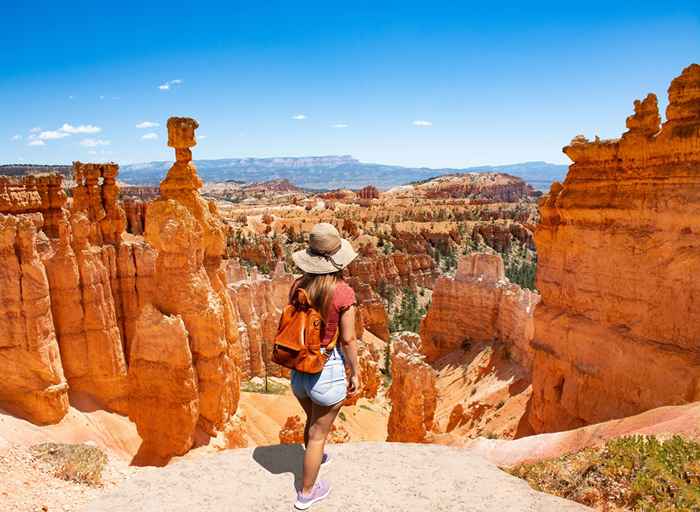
x: 639, y: 473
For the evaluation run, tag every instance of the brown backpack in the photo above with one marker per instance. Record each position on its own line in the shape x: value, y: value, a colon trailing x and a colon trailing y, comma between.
x: 297, y: 344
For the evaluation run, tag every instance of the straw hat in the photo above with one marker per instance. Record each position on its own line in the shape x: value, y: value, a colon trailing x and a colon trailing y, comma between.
x: 327, y: 251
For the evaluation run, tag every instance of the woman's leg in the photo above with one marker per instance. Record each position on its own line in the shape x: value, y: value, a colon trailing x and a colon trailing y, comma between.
x: 306, y: 404
x: 321, y: 420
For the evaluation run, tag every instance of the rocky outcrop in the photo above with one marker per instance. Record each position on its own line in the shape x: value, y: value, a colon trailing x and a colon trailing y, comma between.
x: 85, y: 316
x: 618, y: 252
x: 189, y: 236
x: 486, y: 186
x: 397, y: 269
x: 371, y: 313
x: 258, y: 301
x: 369, y: 359
x: 96, y: 193
x: 292, y: 432
x: 135, y: 211
x: 163, y: 389
x: 31, y: 194
x: 479, y: 305
x: 368, y: 192
x: 468, y: 374
x: 32, y: 384
x: 412, y: 393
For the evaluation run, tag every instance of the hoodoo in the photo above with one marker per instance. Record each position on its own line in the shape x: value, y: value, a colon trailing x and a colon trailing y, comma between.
x: 618, y: 254
x: 192, y: 301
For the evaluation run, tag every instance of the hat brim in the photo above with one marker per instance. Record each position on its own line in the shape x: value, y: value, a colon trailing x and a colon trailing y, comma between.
x: 314, y: 264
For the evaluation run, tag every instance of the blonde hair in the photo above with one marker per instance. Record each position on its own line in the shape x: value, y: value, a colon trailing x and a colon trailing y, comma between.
x: 319, y: 288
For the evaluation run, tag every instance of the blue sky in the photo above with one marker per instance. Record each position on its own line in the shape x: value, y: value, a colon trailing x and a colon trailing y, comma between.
x: 413, y: 83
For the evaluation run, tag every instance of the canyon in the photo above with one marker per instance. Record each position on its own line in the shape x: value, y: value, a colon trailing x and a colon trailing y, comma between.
x: 490, y: 317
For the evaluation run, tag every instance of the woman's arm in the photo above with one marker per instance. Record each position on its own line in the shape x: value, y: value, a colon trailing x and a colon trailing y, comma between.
x: 348, y: 338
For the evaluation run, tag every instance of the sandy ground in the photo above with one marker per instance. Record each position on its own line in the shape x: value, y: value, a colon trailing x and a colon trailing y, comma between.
x: 29, y: 485
x: 365, y: 477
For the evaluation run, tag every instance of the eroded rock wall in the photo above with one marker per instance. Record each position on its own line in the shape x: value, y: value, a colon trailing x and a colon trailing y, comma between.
x: 618, y: 253
x: 33, y: 385
x: 85, y: 316
x: 468, y: 374
x: 413, y: 393
x: 479, y: 305
x: 163, y: 388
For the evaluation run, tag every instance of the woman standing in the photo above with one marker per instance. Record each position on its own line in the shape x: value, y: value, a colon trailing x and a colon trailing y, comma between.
x: 321, y: 395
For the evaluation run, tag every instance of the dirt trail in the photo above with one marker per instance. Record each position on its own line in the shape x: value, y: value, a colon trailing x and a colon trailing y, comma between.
x: 365, y: 477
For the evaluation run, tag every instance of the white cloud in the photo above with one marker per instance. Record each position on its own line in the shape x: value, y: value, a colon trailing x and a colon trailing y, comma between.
x: 36, y: 142
x: 83, y: 128
x: 53, y: 135
x: 420, y: 122
x: 201, y: 137
x: 147, y: 124
x: 167, y: 85
x: 150, y: 136
x: 36, y: 129
x: 92, y: 152
x: 340, y: 125
x: 16, y: 137
x: 91, y: 143
x: 299, y: 117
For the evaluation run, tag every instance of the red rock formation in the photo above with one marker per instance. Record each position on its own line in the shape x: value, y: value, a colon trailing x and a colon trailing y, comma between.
x: 259, y: 301
x: 412, y: 393
x: 469, y: 372
x: 293, y: 432
x: 190, y: 280
x: 30, y: 194
x: 618, y: 252
x: 163, y: 390
x: 96, y: 193
x: 483, y: 186
x: 369, y: 358
x: 371, y: 313
x: 19, y: 195
x: 32, y: 384
x: 135, y: 210
x: 368, y: 192
x: 85, y: 317
x: 397, y: 269
x: 479, y: 305
x: 134, y: 274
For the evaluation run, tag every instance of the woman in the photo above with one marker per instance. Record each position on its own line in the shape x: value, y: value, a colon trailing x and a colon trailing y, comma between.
x: 322, y: 395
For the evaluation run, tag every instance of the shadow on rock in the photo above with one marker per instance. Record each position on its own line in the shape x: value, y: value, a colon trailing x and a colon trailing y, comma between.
x: 146, y: 457
x: 281, y: 458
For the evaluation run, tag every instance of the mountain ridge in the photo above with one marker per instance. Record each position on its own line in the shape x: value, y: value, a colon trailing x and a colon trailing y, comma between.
x: 324, y: 172
x: 330, y: 172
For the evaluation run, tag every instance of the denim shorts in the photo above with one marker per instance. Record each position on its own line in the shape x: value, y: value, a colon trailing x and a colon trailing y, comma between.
x: 326, y: 388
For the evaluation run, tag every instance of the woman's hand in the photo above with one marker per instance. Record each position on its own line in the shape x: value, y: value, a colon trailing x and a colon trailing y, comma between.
x: 355, y: 384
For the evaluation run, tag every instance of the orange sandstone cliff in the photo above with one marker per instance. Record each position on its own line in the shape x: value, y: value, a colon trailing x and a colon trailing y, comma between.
x: 33, y: 385
x: 618, y: 254
x: 468, y: 373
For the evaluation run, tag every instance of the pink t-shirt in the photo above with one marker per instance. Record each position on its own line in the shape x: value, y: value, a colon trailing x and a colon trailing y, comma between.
x: 343, y: 298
